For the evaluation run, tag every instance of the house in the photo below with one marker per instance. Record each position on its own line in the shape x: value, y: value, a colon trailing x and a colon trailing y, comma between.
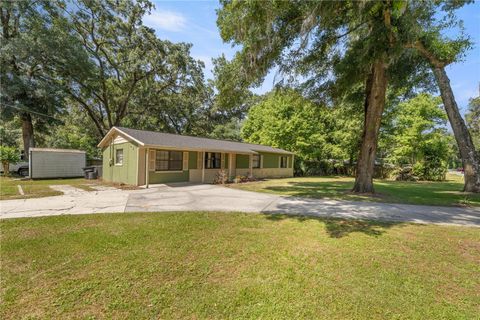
x: 139, y: 157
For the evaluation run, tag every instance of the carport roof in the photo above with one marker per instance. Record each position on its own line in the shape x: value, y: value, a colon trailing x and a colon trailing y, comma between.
x: 176, y: 141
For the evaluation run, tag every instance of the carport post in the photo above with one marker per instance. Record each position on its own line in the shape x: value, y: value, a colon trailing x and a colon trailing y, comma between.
x: 147, y: 162
x: 203, y: 167
x: 250, y: 165
x: 230, y: 156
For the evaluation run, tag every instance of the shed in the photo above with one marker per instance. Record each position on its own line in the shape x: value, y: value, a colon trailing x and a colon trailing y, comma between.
x: 55, y: 163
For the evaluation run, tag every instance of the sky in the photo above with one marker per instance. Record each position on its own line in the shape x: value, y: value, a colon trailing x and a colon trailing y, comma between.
x: 195, y: 22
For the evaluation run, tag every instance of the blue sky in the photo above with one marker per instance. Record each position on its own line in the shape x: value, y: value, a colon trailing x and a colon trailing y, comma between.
x: 195, y: 22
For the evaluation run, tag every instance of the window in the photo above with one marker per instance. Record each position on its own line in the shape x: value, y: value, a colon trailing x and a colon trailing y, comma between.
x: 119, y: 157
x: 283, y: 162
x: 168, y: 160
x: 213, y: 160
x: 256, y: 161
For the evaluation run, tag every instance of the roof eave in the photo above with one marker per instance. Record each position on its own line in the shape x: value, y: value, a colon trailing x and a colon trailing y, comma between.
x: 110, y: 132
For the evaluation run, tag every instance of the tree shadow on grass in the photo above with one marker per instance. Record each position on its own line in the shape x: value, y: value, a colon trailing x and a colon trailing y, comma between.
x: 339, y: 228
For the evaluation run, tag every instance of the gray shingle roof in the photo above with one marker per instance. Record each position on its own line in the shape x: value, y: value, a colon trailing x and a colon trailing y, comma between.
x: 160, y: 139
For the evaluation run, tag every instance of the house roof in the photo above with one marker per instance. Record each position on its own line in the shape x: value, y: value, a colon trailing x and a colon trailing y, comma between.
x: 176, y: 141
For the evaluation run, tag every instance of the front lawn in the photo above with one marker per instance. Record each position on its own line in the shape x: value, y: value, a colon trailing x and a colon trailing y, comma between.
x: 227, y: 265
x: 39, y: 188
x: 446, y: 193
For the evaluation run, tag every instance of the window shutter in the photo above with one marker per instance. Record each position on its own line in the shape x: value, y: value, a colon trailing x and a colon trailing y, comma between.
x: 261, y: 161
x: 151, y: 160
x: 185, y: 160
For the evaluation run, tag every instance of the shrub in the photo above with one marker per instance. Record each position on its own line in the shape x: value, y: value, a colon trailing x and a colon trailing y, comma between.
x: 435, y: 170
x: 8, y: 155
x: 221, y: 177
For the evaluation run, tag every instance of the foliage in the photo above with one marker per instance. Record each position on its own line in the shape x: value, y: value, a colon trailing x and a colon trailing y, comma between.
x: 36, y: 45
x: 76, y: 132
x: 473, y: 121
x: 8, y: 155
x: 129, y: 70
x: 10, y: 134
x: 285, y: 119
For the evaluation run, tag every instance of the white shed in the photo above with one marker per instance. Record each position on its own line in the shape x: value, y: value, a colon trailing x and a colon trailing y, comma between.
x: 56, y: 163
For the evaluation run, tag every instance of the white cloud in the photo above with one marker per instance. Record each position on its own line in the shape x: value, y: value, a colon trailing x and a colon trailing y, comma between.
x: 166, y: 20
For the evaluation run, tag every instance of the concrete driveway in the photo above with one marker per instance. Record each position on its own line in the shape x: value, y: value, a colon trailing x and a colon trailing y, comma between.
x: 186, y: 197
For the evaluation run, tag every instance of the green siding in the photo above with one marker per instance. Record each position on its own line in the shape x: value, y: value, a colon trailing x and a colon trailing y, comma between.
x: 225, y: 161
x: 192, y: 160
x: 290, y: 161
x: 166, y: 177
x: 270, y: 160
x: 242, y: 161
x: 125, y: 173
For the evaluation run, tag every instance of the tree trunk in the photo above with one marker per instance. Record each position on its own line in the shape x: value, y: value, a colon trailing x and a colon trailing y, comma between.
x: 376, y: 88
x: 27, y: 134
x: 470, y: 159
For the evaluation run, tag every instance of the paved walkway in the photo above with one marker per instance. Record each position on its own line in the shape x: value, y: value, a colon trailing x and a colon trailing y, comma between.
x: 181, y: 197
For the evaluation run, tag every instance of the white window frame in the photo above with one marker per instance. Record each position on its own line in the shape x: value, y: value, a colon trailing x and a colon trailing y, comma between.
x: 119, y: 163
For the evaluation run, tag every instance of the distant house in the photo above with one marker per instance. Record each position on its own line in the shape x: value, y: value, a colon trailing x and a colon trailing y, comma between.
x: 138, y: 157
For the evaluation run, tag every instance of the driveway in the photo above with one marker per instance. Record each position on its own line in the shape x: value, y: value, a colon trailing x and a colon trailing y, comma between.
x: 185, y: 197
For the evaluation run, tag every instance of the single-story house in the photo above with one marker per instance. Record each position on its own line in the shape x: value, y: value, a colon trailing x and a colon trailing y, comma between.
x: 139, y: 157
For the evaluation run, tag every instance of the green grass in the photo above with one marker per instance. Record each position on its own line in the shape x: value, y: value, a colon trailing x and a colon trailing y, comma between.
x: 236, y: 266
x: 39, y: 188
x: 446, y: 193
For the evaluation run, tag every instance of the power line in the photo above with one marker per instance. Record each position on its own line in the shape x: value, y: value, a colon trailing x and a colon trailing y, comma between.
x: 31, y: 111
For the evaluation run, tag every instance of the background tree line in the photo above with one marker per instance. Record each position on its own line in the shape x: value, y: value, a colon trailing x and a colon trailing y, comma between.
x: 70, y: 70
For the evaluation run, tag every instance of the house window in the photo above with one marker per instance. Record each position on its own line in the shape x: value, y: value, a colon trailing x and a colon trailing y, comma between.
x: 168, y: 160
x: 283, y: 162
x: 256, y: 161
x: 119, y: 157
x: 213, y: 160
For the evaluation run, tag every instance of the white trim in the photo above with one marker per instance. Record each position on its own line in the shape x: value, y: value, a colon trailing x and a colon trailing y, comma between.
x: 203, y: 167
x: 147, y: 164
x: 115, y: 129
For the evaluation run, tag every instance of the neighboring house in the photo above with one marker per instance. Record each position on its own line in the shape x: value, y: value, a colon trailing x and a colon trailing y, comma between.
x: 140, y: 157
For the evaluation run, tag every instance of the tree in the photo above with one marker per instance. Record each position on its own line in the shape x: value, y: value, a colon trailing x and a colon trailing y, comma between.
x: 34, y: 41
x: 439, y: 51
x: 130, y: 70
x: 473, y: 120
x: 416, y: 122
x: 8, y: 155
x: 328, y: 42
x: 285, y: 119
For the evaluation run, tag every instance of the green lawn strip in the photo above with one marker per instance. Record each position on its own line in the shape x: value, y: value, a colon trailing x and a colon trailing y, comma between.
x: 446, y: 193
x: 227, y: 265
x: 40, y: 188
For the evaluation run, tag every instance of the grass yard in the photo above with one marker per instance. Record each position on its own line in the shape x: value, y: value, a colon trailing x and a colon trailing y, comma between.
x: 38, y: 188
x: 228, y: 265
x: 447, y: 193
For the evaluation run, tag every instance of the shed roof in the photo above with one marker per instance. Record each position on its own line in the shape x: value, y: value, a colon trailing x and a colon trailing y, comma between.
x: 56, y: 150
x: 169, y: 140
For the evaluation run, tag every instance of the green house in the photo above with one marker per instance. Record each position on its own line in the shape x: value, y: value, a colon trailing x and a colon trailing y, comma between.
x: 139, y: 157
